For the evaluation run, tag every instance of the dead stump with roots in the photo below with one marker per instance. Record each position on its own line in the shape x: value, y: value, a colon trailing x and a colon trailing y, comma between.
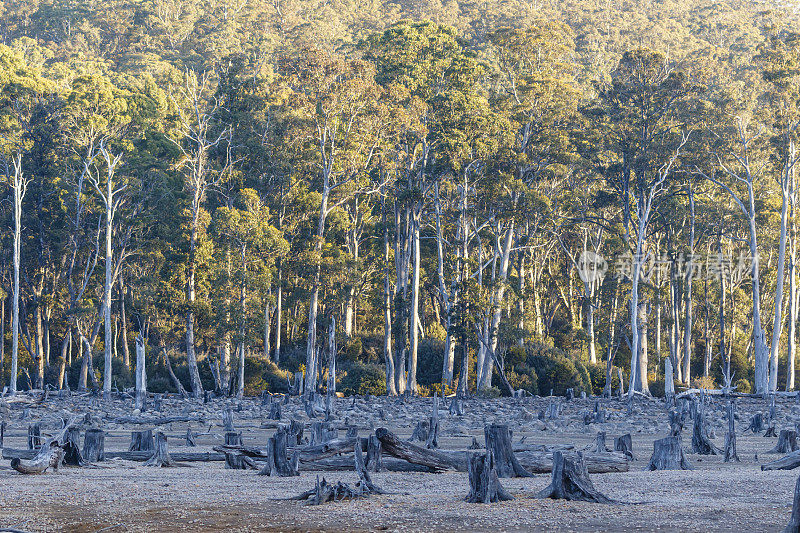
x: 278, y: 463
x: 498, y: 440
x: 668, y: 455
x: 570, y: 481
x: 787, y: 442
x: 141, y: 441
x: 94, y: 442
x: 484, y: 484
x: 161, y: 455
x: 624, y: 444
x: 701, y: 443
x: 794, y: 521
x: 729, y: 452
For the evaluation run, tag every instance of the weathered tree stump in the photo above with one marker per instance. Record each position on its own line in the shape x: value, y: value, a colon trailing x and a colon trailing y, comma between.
x: 475, y: 445
x: 676, y: 421
x: 141, y: 441
x: 484, y: 484
x: 600, y: 442
x: 432, y: 439
x: 599, y: 414
x: 227, y: 420
x: 277, y: 462
x: 730, y: 437
x: 756, y: 423
x: 275, y: 411
x: 322, y: 432
x: 701, y: 443
x: 624, y: 444
x: 794, y: 521
x: 668, y: 455
x: 553, y: 410
x: 296, y: 387
x: 190, y: 436
x: 374, y: 461
x: 789, y: 461
x: 498, y: 440
x: 295, y: 432
x: 787, y: 442
x: 456, y: 407
x: 72, y: 447
x: 161, y: 455
x: 94, y: 442
x: 771, y: 431
x: 233, y: 460
x: 420, y: 432
x: 352, y: 432
x: 2, y: 432
x: 570, y: 481
x: 364, y: 480
x: 570, y: 394
x: 34, y: 436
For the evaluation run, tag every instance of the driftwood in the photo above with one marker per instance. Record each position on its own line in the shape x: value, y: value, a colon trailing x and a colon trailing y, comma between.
x: 49, y: 456
x: 570, y: 481
x: 596, y: 463
x: 668, y: 455
x: 484, y: 484
x: 434, y: 460
x: 787, y: 462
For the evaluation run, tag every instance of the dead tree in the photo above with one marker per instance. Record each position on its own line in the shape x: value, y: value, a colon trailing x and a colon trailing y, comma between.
x: 624, y: 444
x: 756, y: 423
x: 2, y: 433
x: 484, y: 484
x: 190, y: 437
x: 322, y: 432
x: 34, y: 436
x: 374, y: 462
x: 277, y: 462
x: 432, y: 440
x: 420, y: 432
x: 787, y: 462
x: 456, y: 407
x: 570, y: 481
x: 94, y: 445
x: 794, y: 521
x: 364, y: 479
x: 787, y: 442
x: 72, y: 447
x: 227, y: 420
x: 161, y: 455
x: 676, y: 421
x: 275, y: 411
x: 233, y: 460
x: 141, y: 441
x: 701, y: 443
x: 295, y: 432
x: 771, y: 432
x: 48, y: 456
x: 668, y: 455
x: 730, y: 437
x: 599, y: 414
x: 432, y: 459
x: 600, y: 442
x: 498, y: 440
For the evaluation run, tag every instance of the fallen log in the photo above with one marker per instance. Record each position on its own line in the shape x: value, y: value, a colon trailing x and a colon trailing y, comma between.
x: 435, y: 460
x: 49, y: 456
x: 789, y: 461
x: 596, y: 463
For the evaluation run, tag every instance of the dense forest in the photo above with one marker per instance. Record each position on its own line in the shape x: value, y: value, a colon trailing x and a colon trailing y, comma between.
x: 471, y: 197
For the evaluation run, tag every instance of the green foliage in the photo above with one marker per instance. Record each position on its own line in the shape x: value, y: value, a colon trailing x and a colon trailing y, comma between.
x: 360, y: 378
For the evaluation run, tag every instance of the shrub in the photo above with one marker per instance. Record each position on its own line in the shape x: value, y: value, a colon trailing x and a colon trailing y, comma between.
x: 430, y: 356
x: 744, y: 386
x: 363, y: 379
x: 556, y: 373
x: 704, y: 383
x: 585, y: 378
x: 522, y: 377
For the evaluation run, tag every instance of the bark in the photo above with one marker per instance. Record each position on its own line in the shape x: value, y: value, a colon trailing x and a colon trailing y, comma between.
x: 570, y: 481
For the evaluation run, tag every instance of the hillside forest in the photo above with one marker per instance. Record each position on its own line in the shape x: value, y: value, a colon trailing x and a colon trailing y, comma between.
x: 444, y: 196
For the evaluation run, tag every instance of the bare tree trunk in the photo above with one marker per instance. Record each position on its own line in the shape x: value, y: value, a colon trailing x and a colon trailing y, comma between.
x: 18, y: 186
x: 126, y: 355
x: 793, y: 294
x: 141, y: 373
x: 414, y: 319
x: 391, y: 389
x: 687, y: 302
x: 278, y: 313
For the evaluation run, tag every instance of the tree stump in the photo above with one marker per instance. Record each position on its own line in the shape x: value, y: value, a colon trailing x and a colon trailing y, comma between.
x: 553, y: 409
x: 72, y: 447
x: 94, y: 442
x: 676, y: 421
x: 277, y: 462
x: 322, y: 432
x: 600, y: 442
x: 771, y: 432
x: 701, y: 443
x: 432, y: 439
x: 233, y: 460
x: 2, y: 433
x: 141, y: 441
x: 456, y: 407
x: 420, y: 432
x: 275, y: 411
x: 484, y: 484
x: 787, y: 442
x: 570, y: 394
x: 227, y: 420
x: 498, y: 440
x: 374, y: 461
x: 34, y: 436
x: 756, y: 423
x: 161, y: 454
x: 730, y: 437
x: 794, y: 521
x: 570, y: 481
x: 190, y: 436
x: 668, y: 455
x: 624, y: 444
x: 295, y: 432
x: 599, y: 414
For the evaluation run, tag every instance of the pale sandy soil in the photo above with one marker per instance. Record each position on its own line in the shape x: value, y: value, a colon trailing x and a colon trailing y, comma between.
x: 125, y: 496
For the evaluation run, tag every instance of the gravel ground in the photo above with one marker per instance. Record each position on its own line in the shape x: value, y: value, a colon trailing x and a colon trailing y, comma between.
x: 125, y: 496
